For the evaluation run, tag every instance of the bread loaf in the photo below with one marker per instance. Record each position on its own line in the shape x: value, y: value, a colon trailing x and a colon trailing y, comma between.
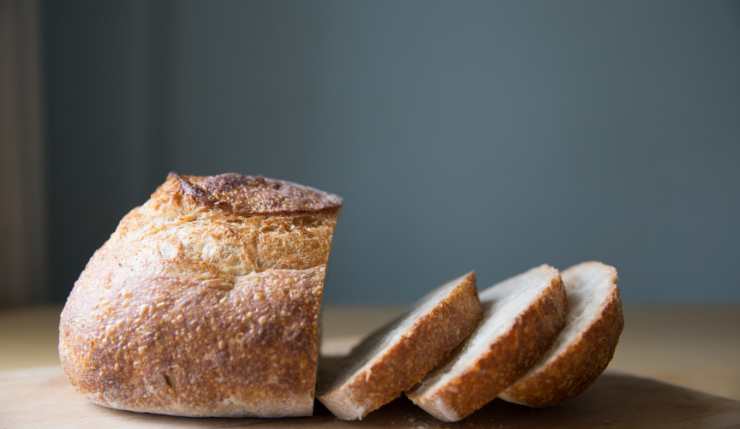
x: 205, y: 301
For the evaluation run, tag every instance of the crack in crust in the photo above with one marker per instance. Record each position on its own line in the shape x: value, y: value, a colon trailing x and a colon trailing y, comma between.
x: 250, y: 195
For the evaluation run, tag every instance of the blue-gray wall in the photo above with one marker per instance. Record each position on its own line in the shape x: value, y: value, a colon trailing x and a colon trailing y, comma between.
x: 463, y: 135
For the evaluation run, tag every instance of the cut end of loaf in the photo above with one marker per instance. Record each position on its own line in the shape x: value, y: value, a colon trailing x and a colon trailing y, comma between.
x: 397, y: 356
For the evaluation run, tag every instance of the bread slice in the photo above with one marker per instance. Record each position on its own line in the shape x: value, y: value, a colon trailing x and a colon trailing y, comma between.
x: 397, y: 356
x: 586, y: 344
x: 522, y: 317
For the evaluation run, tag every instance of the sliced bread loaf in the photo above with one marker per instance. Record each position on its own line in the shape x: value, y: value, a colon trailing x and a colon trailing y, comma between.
x: 398, y: 355
x: 522, y: 317
x: 586, y: 344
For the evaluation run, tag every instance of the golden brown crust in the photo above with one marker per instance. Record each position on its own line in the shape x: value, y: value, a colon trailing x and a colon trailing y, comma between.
x: 249, y: 195
x: 573, y: 370
x: 507, y: 359
x: 194, y: 310
x: 422, y: 348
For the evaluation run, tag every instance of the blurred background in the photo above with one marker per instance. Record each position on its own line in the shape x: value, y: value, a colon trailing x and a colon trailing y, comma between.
x: 492, y: 136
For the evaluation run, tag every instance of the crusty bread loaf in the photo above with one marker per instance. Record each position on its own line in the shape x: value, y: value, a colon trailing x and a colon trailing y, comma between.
x: 586, y: 344
x: 397, y: 356
x: 205, y: 301
x: 521, y: 318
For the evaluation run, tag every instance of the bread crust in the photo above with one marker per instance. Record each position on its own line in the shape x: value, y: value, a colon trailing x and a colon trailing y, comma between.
x: 248, y: 195
x: 576, y: 368
x: 422, y: 348
x: 507, y: 359
x: 205, y: 301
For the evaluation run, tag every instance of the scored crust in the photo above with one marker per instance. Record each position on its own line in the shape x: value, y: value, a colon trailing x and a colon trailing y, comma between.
x: 247, y: 195
x: 398, y: 355
x: 496, y: 361
x: 205, y: 301
x: 580, y: 359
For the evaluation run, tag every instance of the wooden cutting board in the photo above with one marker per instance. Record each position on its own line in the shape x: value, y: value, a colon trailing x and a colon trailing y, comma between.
x: 42, y: 398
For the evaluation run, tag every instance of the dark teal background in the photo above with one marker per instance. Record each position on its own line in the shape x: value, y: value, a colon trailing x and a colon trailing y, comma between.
x: 463, y: 135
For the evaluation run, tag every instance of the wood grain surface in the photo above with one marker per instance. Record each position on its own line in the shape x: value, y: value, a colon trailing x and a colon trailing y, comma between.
x: 42, y: 398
